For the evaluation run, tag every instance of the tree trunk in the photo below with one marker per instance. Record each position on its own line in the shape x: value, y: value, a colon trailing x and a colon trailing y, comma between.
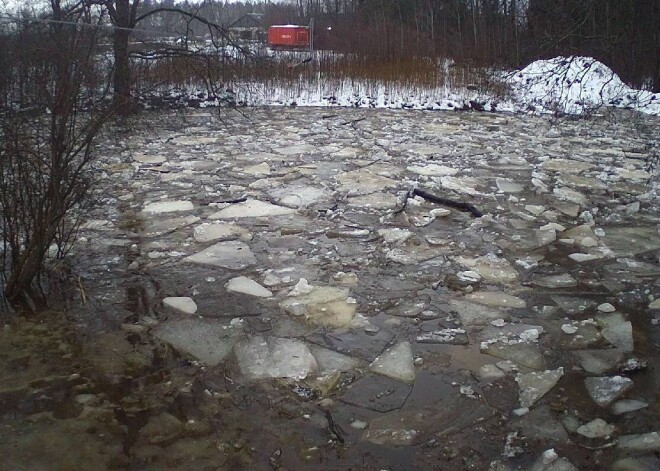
x: 122, y: 14
x: 18, y: 288
x: 122, y: 73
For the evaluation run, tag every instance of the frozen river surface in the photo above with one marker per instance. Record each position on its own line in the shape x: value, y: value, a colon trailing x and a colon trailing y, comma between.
x: 266, y: 291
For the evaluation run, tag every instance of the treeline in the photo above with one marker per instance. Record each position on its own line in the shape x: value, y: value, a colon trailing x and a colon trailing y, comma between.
x: 623, y: 34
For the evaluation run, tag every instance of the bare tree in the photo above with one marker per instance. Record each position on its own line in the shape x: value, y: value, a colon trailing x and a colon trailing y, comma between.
x: 48, y: 123
x: 125, y: 16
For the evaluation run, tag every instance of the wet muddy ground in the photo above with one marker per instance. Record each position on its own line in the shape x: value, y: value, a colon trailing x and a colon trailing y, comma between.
x: 265, y: 291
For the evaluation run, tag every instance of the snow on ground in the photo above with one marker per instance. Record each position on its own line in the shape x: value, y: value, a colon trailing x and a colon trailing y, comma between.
x: 339, y: 93
x: 563, y: 85
x: 576, y: 85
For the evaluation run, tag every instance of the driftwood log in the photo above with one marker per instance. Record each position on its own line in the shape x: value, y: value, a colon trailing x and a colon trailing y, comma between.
x: 447, y: 202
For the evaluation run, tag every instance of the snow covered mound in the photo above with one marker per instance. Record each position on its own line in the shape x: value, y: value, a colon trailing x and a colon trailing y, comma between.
x: 576, y: 85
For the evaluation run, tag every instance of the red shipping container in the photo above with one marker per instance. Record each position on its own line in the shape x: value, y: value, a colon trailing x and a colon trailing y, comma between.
x: 288, y: 36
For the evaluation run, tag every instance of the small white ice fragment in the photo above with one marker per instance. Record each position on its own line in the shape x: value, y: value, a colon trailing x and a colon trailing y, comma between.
x: 302, y: 288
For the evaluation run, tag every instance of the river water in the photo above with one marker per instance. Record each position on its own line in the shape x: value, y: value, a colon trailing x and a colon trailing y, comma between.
x: 264, y: 290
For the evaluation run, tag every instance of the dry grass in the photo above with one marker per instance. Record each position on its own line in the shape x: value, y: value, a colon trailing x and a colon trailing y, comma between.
x: 288, y: 70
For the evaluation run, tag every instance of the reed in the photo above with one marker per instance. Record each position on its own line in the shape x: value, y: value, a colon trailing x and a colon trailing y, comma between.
x: 297, y: 73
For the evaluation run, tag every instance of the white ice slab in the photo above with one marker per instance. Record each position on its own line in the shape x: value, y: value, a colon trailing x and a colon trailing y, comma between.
x: 251, y: 209
x: 433, y: 170
x: 218, y: 231
x: 180, y: 303
x: 271, y: 357
x: 322, y: 305
x: 168, y: 207
x: 396, y: 363
x: 604, y: 390
x: 533, y: 386
x: 247, y: 286
x: 496, y: 298
x: 209, y: 341
x: 233, y: 255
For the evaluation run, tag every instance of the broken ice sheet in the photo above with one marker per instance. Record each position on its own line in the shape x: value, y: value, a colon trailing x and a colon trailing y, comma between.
x: 620, y: 335
x: 373, y: 201
x: 506, y: 185
x: 600, y: 361
x: 257, y: 169
x: 516, y: 343
x: 209, y: 232
x: 550, y: 461
x: 149, y: 159
x: 394, y: 235
x: 410, y: 427
x: 296, y: 149
x: 247, y: 286
x: 233, y: 255
x: 209, y: 341
x: 159, y: 227
x: 363, y: 182
x: 542, y: 424
x: 584, y: 257
x: 330, y: 361
x: 322, y: 305
x: 251, y: 209
x: 556, y: 281
x: 535, y: 385
x: 168, y: 207
x: 299, y: 196
x: 432, y: 170
x: 627, y: 405
x: 640, y: 442
x: 575, y: 335
x: 409, y: 307
x: 605, y: 390
x: 396, y: 363
x: 496, y: 298
x: 572, y: 305
x: 183, y: 304
x: 597, y: 428
x: 566, y: 166
x: 491, y: 268
x: 460, y: 184
x: 476, y: 314
x: 572, y: 196
x: 413, y: 255
x: 272, y: 357
x: 444, y: 336
x: 630, y: 241
x: 377, y: 393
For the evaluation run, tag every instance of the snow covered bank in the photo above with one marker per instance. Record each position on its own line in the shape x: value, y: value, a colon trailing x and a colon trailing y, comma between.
x: 563, y: 85
x: 576, y: 85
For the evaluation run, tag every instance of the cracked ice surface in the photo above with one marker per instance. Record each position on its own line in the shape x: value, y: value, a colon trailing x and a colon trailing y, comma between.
x: 321, y: 286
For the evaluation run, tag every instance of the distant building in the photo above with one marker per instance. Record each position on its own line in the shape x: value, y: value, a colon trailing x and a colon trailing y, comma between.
x: 249, y: 27
x: 288, y: 36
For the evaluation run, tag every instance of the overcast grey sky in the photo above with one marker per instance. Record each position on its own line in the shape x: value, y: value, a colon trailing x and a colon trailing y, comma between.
x: 12, y: 5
